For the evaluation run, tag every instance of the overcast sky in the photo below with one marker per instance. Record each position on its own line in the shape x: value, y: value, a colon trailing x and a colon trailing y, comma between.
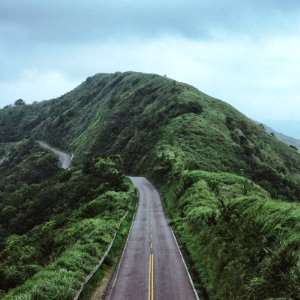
x: 245, y: 52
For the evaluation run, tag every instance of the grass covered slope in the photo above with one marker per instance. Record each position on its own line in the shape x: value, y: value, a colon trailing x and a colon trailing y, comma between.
x: 241, y: 243
x: 155, y: 121
x: 56, y: 224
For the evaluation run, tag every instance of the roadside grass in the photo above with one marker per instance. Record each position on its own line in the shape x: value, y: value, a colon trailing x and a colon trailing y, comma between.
x: 60, y: 227
x: 242, y: 244
x: 62, y: 279
x: 111, y: 262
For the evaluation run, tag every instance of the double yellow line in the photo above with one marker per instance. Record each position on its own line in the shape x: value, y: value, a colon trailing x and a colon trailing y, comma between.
x: 151, y: 278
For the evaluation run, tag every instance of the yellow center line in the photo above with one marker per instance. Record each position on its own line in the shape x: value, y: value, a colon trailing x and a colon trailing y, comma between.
x: 151, y: 278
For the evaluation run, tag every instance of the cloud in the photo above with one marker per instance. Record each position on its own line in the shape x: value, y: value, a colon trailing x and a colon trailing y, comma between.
x: 259, y: 79
x: 67, y: 21
x: 36, y: 86
x: 244, y: 52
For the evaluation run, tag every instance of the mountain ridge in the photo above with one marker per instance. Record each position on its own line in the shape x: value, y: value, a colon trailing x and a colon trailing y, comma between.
x: 197, y: 149
x: 152, y: 120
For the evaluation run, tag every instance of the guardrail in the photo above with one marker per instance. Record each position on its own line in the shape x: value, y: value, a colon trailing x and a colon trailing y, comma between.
x: 96, y: 268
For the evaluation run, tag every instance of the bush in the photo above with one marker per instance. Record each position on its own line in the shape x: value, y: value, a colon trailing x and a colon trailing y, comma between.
x: 242, y: 245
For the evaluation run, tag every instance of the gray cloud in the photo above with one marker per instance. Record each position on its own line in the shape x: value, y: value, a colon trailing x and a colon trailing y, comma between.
x: 245, y: 52
x: 70, y: 21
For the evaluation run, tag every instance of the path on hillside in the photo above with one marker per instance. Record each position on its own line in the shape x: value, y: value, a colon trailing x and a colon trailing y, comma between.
x: 151, y: 266
x: 64, y: 158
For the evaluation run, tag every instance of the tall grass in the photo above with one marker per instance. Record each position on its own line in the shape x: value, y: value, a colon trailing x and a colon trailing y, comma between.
x: 62, y: 278
x: 243, y: 244
x: 111, y: 261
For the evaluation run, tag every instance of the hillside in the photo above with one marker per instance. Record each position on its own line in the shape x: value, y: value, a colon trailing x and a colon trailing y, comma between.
x: 55, y: 223
x: 152, y: 122
x: 241, y: 243
x: 227, y: 183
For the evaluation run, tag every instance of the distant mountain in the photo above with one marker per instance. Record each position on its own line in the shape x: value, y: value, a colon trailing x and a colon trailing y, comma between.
x: 284, y: 138
x: 289, y: 127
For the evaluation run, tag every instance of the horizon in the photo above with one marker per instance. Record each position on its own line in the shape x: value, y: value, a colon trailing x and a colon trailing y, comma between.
x: 290, y: 128
x: 246, y: 56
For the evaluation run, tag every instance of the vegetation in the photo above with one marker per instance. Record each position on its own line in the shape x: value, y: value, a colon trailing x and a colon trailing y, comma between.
x: 220, y: 173
x: 145, y: 119
x: 111, y: 262
x: 242, y: 244
x: 56, y: 224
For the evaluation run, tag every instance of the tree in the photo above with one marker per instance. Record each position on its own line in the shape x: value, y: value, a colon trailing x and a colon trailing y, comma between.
x: 20, y: 102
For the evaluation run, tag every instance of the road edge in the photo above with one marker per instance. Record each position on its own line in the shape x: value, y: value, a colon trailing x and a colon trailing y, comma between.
x: 186, y: 268
x: 64, y: 158
x: 99, y: 264
x: 116, y: 273
x: 181, y: 255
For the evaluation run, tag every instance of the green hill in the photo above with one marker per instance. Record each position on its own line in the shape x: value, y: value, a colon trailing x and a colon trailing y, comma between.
x: 55, y: 223
x: 152, y: 121
x: 227, y: 183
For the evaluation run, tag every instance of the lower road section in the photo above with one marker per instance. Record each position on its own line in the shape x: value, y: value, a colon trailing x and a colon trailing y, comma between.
x: 151, y: 266
x: 64, y: 158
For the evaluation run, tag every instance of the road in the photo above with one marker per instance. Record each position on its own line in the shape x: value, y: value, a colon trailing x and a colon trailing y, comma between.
x: 64, y: 158
x: 151, y: 266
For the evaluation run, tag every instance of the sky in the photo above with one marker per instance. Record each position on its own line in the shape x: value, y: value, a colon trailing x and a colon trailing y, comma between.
x: 244, y: 52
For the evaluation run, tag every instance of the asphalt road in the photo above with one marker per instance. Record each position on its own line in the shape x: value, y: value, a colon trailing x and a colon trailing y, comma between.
x: 64, y: 158
x: 151, y: 266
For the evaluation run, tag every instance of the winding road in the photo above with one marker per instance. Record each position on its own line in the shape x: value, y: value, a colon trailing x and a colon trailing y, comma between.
x: 64, y: 158
x: 151, y: 266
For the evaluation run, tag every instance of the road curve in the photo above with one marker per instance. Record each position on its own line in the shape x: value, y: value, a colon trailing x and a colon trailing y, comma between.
x: 151, y: 266
x: 64, y: 158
